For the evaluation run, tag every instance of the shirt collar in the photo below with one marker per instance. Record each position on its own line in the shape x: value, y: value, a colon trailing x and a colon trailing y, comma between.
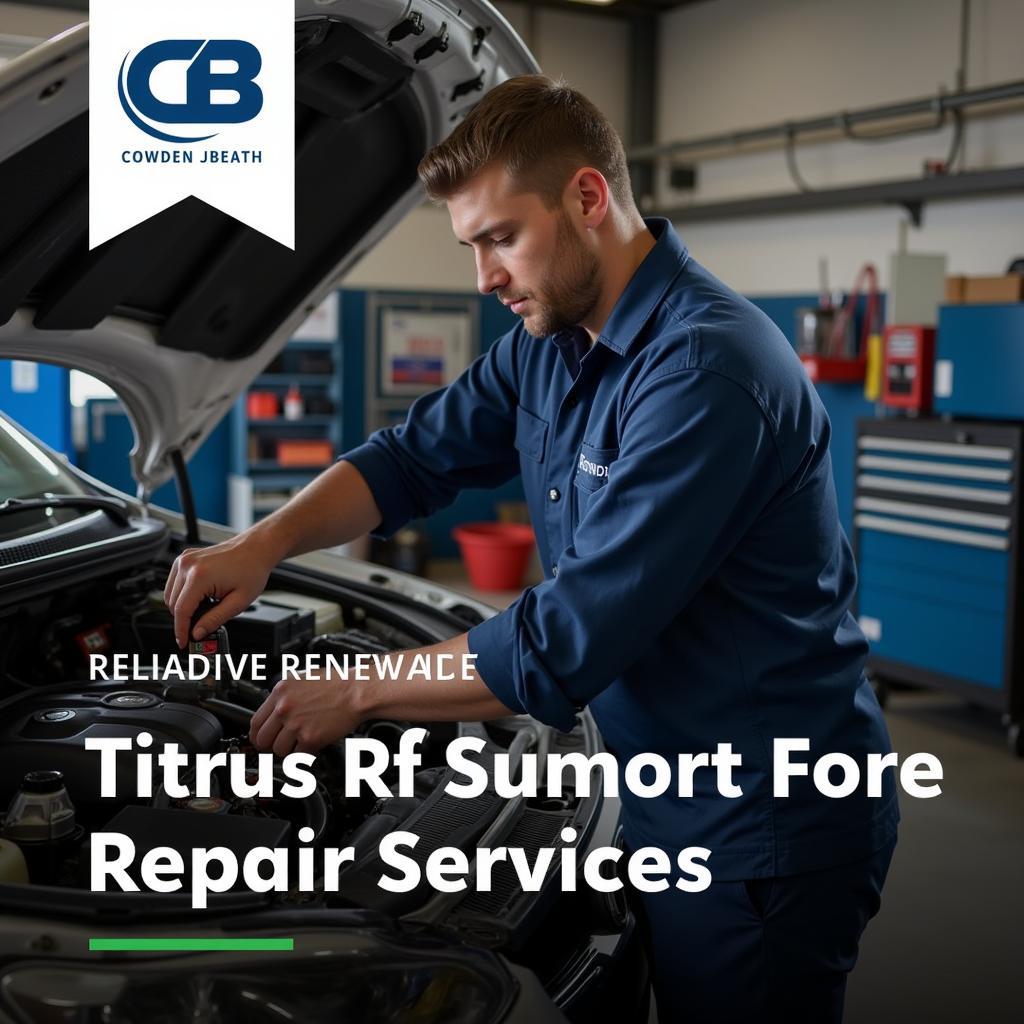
x: 573, y: 343
x: 646, y: 287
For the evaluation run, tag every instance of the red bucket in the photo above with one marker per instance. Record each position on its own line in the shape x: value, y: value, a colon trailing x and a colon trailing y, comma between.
x: 495, y: 553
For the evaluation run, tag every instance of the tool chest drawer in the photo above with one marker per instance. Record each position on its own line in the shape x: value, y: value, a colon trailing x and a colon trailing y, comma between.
x: 940, y: 564
x: 936, y: 532
x: 935, y: 635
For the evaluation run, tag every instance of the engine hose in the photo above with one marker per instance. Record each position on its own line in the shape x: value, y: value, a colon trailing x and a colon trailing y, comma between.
x: 524, y: 740
x: 235, y: 712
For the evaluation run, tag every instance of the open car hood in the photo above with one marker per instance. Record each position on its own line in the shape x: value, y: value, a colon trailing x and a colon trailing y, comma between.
x: 180, y: 313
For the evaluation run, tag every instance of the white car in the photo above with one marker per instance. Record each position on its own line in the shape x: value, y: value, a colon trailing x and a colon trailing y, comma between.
x: 179, y: 315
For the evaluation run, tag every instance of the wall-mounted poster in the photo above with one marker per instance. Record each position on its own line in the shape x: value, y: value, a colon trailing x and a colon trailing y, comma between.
x: 421, y: 351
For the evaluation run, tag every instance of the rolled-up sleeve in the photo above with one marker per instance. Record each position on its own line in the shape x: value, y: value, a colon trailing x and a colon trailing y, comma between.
x: 697, y: 463
x: 459, y: 436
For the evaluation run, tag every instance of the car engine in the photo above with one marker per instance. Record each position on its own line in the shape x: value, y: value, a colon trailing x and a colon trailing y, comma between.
x: 54, y: 816
x: 51, y: 708
x: 51, y: 785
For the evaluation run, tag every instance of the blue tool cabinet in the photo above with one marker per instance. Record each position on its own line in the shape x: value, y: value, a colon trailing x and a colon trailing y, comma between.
x: 979, y: 361
x: 937, y: 535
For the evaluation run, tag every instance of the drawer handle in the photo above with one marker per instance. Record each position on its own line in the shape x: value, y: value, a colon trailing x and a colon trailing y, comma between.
x: 982, y: 495
x: 990, y: 453
x: 943, y: 533
x: 937, y: 512
x: 999, y: 476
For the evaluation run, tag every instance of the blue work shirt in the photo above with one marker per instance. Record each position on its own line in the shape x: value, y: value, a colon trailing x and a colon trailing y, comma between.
x: 698, y: 581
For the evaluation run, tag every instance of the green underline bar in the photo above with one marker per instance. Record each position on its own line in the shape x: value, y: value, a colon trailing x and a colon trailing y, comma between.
x: 188, y: 945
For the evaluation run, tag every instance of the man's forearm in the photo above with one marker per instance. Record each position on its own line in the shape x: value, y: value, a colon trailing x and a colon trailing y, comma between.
x: 464, y: 698
x: 336, y: 507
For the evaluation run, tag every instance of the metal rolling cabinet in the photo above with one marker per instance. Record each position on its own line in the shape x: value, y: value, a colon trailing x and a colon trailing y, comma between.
x: 937, y: 535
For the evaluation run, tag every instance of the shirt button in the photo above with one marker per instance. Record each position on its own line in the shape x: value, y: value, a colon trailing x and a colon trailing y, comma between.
x: 571, y: 402
x: 554, y: 494
x: 554, y: 570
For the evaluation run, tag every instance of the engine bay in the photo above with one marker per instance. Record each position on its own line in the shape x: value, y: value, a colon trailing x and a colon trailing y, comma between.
x: 50, y: 781
x: 55, y: 821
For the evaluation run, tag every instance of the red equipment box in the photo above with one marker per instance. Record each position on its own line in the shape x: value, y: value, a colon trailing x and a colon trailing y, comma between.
x: 909, y: 367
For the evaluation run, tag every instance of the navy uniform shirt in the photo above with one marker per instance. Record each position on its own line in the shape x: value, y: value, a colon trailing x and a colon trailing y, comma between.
x: 697, y: 578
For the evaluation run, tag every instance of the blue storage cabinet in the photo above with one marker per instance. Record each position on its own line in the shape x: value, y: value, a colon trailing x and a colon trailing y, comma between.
x: 979, y: 361
x: 36, y: 395
x: 937, y: 535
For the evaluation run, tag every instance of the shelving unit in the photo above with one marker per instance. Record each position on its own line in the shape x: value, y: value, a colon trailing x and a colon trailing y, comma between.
x: 259, y: 481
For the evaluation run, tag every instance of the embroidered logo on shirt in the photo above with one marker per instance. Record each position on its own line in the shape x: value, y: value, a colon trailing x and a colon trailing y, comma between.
x: 592, y: 468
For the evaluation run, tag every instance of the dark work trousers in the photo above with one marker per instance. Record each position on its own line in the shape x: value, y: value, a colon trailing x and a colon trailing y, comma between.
x: 763, y: 951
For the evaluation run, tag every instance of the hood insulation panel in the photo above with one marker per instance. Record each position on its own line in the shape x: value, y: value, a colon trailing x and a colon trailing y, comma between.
x: 208, y: 283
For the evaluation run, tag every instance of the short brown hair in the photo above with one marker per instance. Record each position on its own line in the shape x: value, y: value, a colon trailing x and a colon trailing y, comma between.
x: 541, y: 130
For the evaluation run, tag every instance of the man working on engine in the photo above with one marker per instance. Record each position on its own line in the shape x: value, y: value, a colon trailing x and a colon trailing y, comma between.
x: 675, y: 460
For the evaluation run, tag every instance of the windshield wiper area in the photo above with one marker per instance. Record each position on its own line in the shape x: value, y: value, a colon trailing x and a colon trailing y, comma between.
x: 115, y: 508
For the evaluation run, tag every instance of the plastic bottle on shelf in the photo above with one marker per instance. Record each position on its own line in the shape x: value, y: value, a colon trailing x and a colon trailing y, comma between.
x: 293, y: 407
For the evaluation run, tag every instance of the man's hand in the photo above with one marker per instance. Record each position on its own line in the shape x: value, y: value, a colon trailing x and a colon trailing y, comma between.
x: 303, y: 715
x: 306, y: 714
x: 233, y: 573
x: 334, y: 508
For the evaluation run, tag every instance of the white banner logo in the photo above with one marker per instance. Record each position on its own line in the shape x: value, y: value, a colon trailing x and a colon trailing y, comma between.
x: 191, y: 98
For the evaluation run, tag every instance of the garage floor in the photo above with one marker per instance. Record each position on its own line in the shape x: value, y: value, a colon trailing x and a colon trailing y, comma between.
x: 948, y: 943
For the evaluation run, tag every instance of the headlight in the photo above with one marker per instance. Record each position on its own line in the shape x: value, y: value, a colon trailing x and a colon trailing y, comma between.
x: 331, y: 978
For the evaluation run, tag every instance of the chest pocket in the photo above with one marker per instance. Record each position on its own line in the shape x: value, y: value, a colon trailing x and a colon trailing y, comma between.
x: 531, y: 434
x: 591, y: 476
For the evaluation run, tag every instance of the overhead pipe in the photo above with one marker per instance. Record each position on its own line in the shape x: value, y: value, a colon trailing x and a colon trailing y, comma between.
x: 911, y: 193
x: 938, y: 105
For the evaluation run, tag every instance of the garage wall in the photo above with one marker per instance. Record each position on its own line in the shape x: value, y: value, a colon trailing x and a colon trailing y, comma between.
x: 590, y: 52
x: 731, y: 64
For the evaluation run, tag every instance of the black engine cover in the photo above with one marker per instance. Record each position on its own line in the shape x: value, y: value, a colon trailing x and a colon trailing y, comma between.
x: 48, y: 731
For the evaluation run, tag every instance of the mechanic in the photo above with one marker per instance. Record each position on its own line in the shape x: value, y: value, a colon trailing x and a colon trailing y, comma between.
x: 697, y: 580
